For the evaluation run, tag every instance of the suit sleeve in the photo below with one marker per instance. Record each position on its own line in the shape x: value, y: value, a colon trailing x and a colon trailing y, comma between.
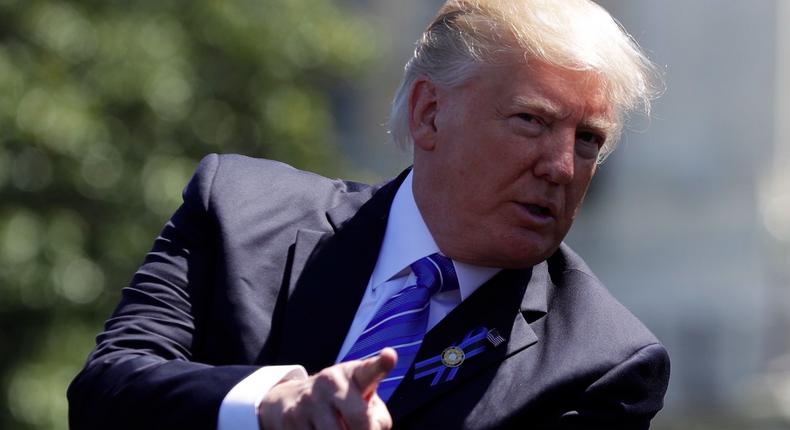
x: 626, y: 397
x: 142, y: 374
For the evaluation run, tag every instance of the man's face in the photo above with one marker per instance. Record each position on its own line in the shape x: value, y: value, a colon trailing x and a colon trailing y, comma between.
x: 502, y: 163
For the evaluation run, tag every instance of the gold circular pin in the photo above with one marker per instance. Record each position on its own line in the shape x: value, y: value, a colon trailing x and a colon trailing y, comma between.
x: 453, y: 356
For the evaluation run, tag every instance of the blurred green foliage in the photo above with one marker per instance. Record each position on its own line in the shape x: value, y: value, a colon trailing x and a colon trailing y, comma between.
x: 106, y: 107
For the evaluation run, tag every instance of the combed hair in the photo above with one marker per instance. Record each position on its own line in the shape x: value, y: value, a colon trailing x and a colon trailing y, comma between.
x: 575, y: 35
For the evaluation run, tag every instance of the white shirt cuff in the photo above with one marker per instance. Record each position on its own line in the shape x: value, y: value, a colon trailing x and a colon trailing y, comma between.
x: 239, y: 408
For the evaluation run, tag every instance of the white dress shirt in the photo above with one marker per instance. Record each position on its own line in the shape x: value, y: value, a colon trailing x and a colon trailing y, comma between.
x: 406, y: 240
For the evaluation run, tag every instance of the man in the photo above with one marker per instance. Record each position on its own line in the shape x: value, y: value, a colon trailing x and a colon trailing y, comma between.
x: 442, y: 299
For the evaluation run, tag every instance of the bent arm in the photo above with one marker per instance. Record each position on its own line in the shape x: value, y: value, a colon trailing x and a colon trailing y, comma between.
x: 142, y: 373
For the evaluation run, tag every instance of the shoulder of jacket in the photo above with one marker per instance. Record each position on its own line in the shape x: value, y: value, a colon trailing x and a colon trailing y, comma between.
x: 243, y: 172
x: 583, y: 293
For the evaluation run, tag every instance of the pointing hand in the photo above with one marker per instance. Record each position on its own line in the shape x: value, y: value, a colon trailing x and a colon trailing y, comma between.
x: 342, y: 396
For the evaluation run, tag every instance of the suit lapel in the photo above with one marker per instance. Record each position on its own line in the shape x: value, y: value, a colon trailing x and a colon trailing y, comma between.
x: 507, y: 304
x: 306, y: 242
x: 328, y: 278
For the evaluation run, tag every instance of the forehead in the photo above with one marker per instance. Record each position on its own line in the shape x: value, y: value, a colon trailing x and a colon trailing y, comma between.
x: 550, y: 90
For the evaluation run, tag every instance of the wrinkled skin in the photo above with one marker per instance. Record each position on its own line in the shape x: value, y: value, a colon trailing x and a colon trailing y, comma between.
x: 503, y: 161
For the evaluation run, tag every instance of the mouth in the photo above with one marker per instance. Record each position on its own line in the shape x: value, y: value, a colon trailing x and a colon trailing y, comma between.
x: 538, y: 210
x: 538, y: 215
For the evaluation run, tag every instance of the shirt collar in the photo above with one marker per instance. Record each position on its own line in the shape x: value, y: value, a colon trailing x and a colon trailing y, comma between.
x: 407, y: 239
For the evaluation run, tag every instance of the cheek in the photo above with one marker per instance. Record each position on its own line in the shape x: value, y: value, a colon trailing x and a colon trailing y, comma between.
x: 575, y: 194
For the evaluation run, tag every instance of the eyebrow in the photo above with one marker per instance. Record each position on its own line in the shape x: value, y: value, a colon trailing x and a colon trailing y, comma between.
x: 598, y: 124
x: 540, y: 104
x: 548, y: 108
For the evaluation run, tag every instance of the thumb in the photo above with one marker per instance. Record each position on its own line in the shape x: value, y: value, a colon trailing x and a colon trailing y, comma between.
x: 371, y: 371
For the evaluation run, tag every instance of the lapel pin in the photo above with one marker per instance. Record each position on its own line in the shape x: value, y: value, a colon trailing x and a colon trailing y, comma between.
x: 453, y: 356
x: 494, y: 337
x: 445, y: 366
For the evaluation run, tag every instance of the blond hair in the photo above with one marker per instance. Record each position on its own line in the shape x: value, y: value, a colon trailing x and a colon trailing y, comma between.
x: 571, y: 34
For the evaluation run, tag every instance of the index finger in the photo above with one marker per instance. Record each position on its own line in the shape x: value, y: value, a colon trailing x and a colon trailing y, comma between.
x: 371, y: 371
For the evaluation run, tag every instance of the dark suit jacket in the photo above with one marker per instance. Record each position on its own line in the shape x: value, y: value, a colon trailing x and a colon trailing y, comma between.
x: 265, y: 264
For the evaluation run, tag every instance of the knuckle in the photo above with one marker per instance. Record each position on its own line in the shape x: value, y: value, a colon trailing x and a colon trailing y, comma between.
x: 354, y: 410
x: 357, y: 413
x: 357, y: 420
x: 385, y: 422
x: 308, y: 397
x: 381, y: 418
x: 290, y: 417
x: 357, y: 410
x: 327, y: 378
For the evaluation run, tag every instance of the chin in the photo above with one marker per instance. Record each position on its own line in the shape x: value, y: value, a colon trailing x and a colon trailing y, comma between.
x: 522, y: 258
x: 527, y: 261
x: 530, y: 253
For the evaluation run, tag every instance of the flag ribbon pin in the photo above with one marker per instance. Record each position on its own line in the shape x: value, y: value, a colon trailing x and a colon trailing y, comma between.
x: 494, y: 337
x: 450, y: 360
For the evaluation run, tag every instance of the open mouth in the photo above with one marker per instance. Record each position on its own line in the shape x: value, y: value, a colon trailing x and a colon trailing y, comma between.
x: 538, y: 210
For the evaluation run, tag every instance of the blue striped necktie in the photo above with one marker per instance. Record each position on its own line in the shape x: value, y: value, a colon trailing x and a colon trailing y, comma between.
x: 402, y: 320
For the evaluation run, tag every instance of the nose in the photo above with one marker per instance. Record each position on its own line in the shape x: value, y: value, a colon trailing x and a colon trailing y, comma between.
x: 555, y: 163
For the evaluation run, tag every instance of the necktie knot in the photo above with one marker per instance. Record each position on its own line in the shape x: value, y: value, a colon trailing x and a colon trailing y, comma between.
x: 436, y: 273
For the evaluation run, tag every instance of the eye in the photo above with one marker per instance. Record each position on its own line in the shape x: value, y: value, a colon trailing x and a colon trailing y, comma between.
x: 527, y: 124
x: 529, y: 118
x: 588, y: 144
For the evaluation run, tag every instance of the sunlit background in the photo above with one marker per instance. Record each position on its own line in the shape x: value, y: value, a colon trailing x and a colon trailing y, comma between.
x: 107, y: 106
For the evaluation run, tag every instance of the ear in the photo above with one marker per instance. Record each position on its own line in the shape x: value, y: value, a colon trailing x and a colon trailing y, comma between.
x: 423, y: 107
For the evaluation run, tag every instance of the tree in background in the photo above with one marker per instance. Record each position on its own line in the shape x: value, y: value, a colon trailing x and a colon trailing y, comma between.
x: 105, y: 109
